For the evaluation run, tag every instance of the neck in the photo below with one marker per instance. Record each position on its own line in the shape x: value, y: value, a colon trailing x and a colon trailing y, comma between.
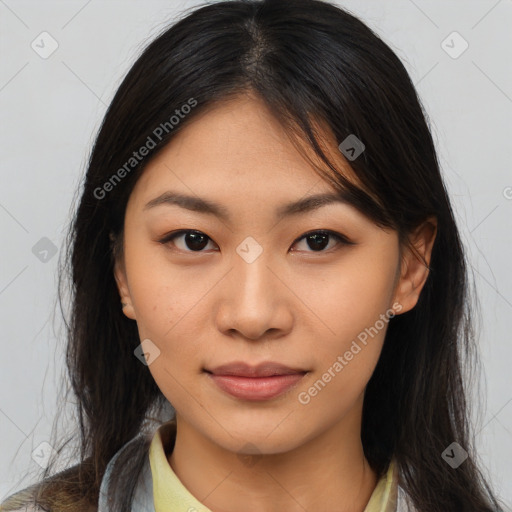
x: 328, y: 472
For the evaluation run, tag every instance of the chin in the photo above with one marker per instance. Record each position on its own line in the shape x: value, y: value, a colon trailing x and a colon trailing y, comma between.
x: 258, y: 437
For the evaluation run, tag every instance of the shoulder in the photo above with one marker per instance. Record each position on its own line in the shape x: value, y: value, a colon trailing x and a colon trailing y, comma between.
x: 22, y: 501
x: 57, y: 492
x: 26, y: 500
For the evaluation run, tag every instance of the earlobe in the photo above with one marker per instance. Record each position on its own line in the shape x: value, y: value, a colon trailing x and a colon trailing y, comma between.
x: 415, y: 264
x: 122, y: 286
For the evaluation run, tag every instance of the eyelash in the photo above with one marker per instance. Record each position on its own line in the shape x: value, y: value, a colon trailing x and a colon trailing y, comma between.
x: 342, y: 240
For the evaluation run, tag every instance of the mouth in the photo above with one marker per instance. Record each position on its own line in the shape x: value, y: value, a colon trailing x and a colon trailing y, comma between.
x: 255, y: 383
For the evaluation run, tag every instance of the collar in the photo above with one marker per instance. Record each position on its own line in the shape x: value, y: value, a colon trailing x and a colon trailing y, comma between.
x: 160, y: 490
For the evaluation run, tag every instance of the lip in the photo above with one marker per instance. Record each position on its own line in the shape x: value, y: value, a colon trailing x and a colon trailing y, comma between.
x: 265, y: 369
x: 256, y: 383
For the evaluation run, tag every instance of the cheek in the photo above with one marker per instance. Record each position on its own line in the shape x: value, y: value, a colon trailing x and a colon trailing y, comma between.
x: 166, y: 310
x: 351, y: 295
x: 161, y: 293
x: 350, y: 304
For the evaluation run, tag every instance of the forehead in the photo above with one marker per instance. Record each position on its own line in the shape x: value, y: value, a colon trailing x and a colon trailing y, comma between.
x: 236, y: 149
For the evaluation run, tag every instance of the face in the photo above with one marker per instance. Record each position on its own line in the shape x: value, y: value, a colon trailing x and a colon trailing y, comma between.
x: 311, y: 290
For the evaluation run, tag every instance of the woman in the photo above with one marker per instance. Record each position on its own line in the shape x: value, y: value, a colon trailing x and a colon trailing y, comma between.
x: 265, y: 202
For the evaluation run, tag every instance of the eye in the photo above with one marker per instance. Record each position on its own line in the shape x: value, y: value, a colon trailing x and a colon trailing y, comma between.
x: 196, y: 241
x: 316, y: 240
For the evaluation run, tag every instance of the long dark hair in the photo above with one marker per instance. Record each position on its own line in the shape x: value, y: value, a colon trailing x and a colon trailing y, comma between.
x: 311, y: 62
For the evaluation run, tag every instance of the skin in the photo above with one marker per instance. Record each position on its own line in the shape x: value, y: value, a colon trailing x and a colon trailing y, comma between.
x: 294, y: 305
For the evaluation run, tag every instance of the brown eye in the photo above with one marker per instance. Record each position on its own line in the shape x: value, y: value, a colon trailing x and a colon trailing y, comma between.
x: 317, y: 241
x: 192, y: 240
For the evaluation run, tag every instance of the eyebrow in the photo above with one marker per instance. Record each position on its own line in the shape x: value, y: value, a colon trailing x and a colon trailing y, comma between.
x: 206, y: 206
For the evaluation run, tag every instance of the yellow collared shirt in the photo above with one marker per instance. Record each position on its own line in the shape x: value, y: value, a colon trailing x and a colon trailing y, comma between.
x: 170, y: 494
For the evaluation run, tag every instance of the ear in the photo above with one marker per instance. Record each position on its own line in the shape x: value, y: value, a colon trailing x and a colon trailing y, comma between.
x: 122, y: 286
x: 414, y: 265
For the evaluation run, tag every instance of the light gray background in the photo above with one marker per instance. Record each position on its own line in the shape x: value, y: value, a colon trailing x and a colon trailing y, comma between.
x: 51, y: 108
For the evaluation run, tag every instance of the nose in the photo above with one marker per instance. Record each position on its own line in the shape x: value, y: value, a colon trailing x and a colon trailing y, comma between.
x: 255, y: 301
